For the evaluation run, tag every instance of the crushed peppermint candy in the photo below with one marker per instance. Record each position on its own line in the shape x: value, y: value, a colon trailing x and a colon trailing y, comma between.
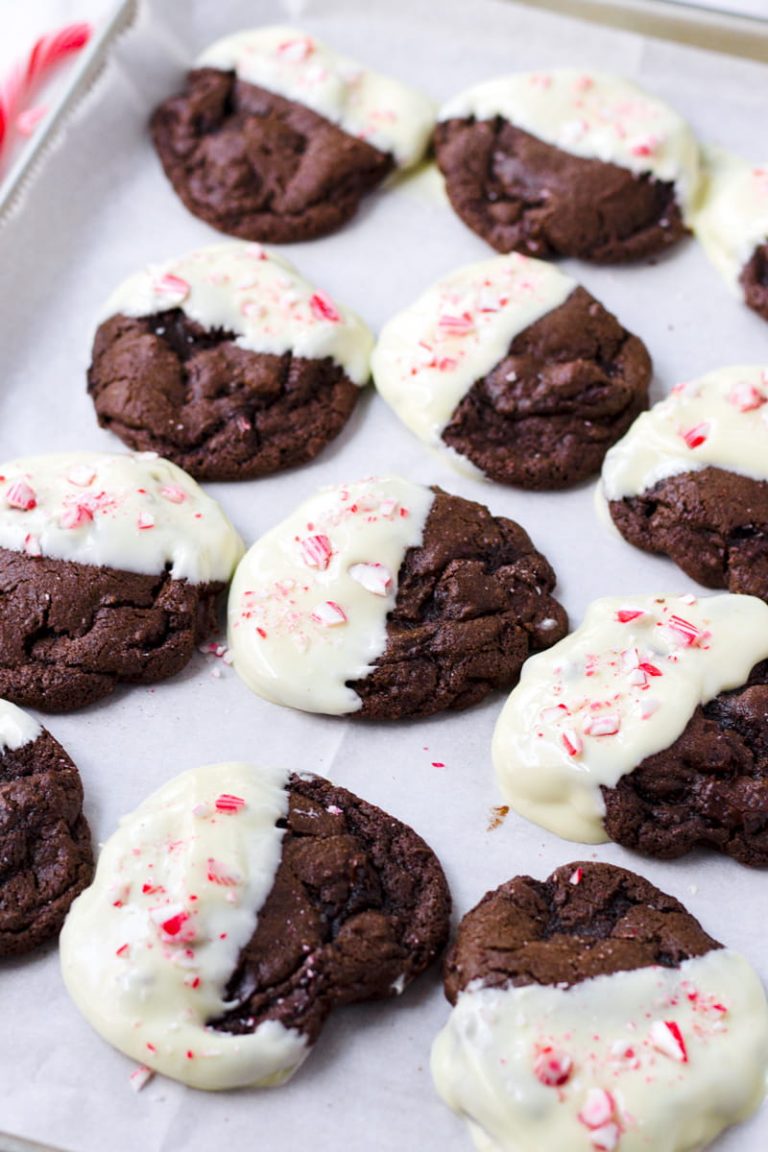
x: 374, y: 577
x: 140, y: 1077
x: 21, y: 496
x: 666, y: 1037
x: 329, y: 614
x: 552, y: 1067
x: 229, y: 804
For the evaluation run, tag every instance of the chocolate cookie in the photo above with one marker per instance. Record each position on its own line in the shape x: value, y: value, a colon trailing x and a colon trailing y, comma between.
x: 45, y: 847
x: 585, y: 920
x: 690, y: 480
x: 278, y: 138
x: 568, y: 164
x: 732, y: 224
x: 515, y: 368
x: 592, y: 1011
x: 708, y: 789
x: 389, y: 600
x: 656, y: 733
x: 110, y: 572
x: 282, y: 898
x: 227, y: 362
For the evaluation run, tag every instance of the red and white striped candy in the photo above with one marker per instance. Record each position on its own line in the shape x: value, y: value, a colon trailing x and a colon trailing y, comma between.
x: 323, y: 308
x: 20, y: 84
x: 76, y: 516
x: 552, y: 1068
x: 598, y: 1110
x: 329, y: 614
x: 229, y: 803
x: 666, y: 1037
x: 21, y: 495
x: 172, y: 288
x: 316, y: 551
x: 696, y: 436
x: 374, y: 577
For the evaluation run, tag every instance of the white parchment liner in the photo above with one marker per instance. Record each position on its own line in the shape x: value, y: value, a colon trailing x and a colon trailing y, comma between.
x: 101, y: 206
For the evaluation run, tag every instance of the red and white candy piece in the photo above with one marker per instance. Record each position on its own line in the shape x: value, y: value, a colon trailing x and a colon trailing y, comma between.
x: 316, y: 551
x: 666, y: 1037
x: 552, y: 1067
x: 21, y: 495
x: 599, y: 1115
x: 374, y: 577
x: 26, y: 76
x: 229, y: 804
x: 323, y: 308
x: 329, y: 614
x: 173, y: 289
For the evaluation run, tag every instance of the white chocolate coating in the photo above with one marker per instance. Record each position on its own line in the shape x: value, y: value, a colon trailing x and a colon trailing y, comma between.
x: 136, y: 512
x: 256, y: 294
x: 719, y: 420
x: 387, y: 114
x: 629, y: 1084
x: 428, y: 357
x: 621, y: 687
x: 148, y: 949
x: 309, y: 602
x: 595, y: 115
x: 732, y: 220
x: 16, y: 727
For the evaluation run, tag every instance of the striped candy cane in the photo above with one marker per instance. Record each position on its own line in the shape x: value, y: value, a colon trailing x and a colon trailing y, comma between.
x: 26, y: 76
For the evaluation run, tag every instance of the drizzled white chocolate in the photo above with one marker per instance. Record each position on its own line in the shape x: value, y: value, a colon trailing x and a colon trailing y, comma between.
x: 428, y: 357
x: 16, y: 727
x: 659, y: 1059
x: 621, y: 687
x: 137, y: 512
x: 595, y: 115
x: 717, y: 421
x: 257, y: 295
x: 387, y: 114
x: 147, y: 951
x: 732, y: 220
x: 309, y: 602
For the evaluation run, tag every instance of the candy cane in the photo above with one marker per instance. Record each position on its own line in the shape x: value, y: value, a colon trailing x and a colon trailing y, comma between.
x: 25, y: 76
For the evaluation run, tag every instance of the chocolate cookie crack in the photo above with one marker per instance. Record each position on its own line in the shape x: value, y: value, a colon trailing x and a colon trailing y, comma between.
x: 472, y: 604
x: 712, y: 523
x: 165, y: 383
x: 522, y: 194
x: 569, y: 387
x: 359, y: 906
x: 46, y: 858
x: 586, y: 920
x: 69, y: 632
x: 260, y: 166
x: 709, y: 788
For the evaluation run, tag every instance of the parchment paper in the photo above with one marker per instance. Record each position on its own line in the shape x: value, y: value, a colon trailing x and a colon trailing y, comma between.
x: 100, y: 208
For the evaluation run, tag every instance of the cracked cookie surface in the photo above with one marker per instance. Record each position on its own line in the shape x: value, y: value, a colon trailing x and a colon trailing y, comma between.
x: 569, y: 387
x: 708, y: 789
x: 524, y: 195
x: 473, y: 603
x: 585, y: 920
x: 46, y: 857
x: 167, y: 384
x: 713, y: 523
x: 70, y: 632
x: 254, y: 164
x: 358, y: 908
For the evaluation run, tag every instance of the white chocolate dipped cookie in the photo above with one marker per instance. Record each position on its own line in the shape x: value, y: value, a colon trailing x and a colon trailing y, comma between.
x: 644, y: 726
x: 295, y: 135
x: 731, y: 223
x: 112, y: 566
x: 513, y: 368
x: 228, y: 362
x: 593, y: 1013
x: 690, y: 479
x: 220, y: 930
x: 568, y: 163
x: 388, y: 599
